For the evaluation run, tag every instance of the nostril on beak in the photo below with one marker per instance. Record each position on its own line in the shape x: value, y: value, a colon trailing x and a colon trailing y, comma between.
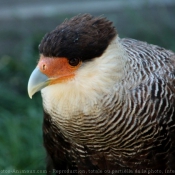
x: 44, y: 67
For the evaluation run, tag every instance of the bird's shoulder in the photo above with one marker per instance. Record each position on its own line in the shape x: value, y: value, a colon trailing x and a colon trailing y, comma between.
x: 144, y: 50
x: 148, y: 62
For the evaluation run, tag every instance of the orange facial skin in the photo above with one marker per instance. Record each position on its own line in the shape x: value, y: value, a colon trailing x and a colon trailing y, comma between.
x: 57, y: 69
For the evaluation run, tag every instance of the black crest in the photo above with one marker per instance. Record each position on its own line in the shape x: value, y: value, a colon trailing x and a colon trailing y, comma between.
x: 83, y: 37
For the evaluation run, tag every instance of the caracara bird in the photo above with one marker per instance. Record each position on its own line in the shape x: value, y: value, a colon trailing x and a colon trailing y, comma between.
x: 109, y: 103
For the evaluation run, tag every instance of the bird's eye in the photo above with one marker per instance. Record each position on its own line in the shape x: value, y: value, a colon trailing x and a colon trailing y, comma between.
x: 74, y: 61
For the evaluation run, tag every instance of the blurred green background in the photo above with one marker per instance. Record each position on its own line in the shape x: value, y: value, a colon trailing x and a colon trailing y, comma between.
x: 22, y: 26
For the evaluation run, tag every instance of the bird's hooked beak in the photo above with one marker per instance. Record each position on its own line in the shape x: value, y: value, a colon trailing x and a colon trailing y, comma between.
x: 37, y: 81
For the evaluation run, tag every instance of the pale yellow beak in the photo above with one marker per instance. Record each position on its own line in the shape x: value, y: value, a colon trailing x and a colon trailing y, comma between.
x: 37, y: 81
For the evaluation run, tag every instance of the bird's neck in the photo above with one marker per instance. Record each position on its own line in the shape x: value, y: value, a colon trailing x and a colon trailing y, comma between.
x: 82, y: 95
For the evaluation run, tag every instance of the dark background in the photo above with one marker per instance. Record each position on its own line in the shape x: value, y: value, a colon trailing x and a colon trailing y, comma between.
x: 22, y: 26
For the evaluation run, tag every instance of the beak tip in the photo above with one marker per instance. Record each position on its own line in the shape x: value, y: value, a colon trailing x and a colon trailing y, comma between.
x: 29, y: 93
x: 30, y: 96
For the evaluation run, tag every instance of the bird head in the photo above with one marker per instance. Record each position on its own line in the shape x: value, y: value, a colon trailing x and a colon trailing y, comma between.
x: 66, y: 49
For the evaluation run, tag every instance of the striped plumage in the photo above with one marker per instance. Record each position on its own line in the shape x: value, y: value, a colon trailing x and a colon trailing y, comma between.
x: 117, y: 113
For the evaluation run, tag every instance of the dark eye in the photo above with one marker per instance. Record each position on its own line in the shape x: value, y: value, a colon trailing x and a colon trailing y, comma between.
x: 74, y: 61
